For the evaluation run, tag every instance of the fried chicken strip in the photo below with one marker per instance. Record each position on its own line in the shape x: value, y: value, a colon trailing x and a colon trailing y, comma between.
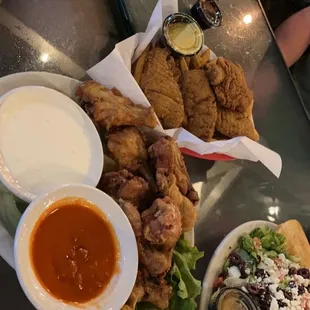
x: 109, y: 109
x: 234, y: 124
x: 229, y: 84
x: 162, y: 223
x: 199, y: 104
x: 124, y: 185
x: 160, y: 87
x: 126, y: 147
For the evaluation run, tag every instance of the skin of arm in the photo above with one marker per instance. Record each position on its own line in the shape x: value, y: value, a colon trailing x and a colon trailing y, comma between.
x: 293, y: 36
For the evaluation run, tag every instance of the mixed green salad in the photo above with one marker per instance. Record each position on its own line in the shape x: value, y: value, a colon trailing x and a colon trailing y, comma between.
x: 262, y: 268
x: 185, y: 287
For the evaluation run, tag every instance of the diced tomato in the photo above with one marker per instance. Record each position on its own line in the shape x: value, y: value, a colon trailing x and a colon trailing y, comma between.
x: 257, y: 243
x: 281, y: 277
x: 278, y: 262
x: 217, y: 283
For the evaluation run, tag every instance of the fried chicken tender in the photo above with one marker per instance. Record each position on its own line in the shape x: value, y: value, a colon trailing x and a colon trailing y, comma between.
x: 161, y: 89
x: 172, y: 179
x: 156, y: 262
x: 199, y: 104
x: 124, y: 185
x: 126, y: 147
x: 229, y: 84
x: 158, y: 294
x: 133, y: 216
x: 162, y: 223
x: 109, y: 109
x: 234, y: 124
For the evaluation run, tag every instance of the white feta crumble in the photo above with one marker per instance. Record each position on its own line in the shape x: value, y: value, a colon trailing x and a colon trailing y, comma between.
x: 274, y: 304
x: 234, y: 272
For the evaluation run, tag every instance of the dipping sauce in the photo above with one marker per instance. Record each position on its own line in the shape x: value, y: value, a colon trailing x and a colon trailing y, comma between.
x: 232, y: 298
x: 182, y: 34
x: 74, y: 250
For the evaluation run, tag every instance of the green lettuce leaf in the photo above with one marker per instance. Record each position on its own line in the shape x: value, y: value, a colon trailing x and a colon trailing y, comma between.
x: 186, y: 288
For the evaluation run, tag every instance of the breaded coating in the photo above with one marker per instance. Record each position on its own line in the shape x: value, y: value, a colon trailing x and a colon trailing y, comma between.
x: 229, y: 84
x: 234, y: 124
x: 162, y: 223
x: 199, y: 104
x: 109, y: 109
x: 124, y: 185
x: 172, y: 179
x: 126, y: 147
x: 161, y: 89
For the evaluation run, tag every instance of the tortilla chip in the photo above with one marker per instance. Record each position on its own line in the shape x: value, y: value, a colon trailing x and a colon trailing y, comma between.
x: 296, y: 241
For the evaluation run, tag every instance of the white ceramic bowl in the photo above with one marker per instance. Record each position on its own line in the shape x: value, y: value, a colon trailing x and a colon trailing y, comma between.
x: 229, y: 243
x: 121, y: 285
x: 46, y: 140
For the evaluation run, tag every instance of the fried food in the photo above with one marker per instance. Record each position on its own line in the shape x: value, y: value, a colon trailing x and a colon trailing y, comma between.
x: 173, y: 180
x: 168, y: 160
x: 157, y: 263
x: 167, y: 186
x: 126, y: 147
x: 205, y: 57
x: 235, y: 124
x: 195, y: 62
x: 174, y: 67
x: 110, y: 110
x: 296, y: 241
x: 162, y: 223
x: 133, y: 216
x: 137, y: 293
x: 126, y: 186
x: 161, y: 89
x: 183, y: 64
x: 199, y: 104
x: 138, y: 70
x: 229, y: 85
x: 158, y: 294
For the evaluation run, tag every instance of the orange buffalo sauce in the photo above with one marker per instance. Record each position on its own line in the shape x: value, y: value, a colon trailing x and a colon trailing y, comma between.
x: 74, y: 250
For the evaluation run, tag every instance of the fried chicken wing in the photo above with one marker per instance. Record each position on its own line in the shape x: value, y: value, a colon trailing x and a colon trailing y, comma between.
x: 199, y: 104
x: 233, y: 124
x: 160, y: 87
x: 126, y: 147
x: 133, y: 216
x: 173, y: 180
x: 168, y: 160
x: 156, y: 262
x: 229, y: 84
x: 162, y: 223
x: 109, y: 109
x: 158, y: 294
x: 124, y: 185
x: 167, y: 185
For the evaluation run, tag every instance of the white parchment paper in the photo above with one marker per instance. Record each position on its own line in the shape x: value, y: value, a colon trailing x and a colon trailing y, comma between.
x: 115, y: 71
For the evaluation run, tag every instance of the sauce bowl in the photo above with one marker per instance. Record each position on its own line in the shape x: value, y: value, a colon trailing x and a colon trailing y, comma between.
x: 117, y: 291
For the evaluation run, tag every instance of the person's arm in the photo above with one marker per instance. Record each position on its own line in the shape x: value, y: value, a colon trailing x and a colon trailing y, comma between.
x: 293, y: 36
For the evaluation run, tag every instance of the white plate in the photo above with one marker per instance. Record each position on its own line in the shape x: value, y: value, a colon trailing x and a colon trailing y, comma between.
x: 220, y: 255
x: 120, y: 286
x: 55, y: 142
